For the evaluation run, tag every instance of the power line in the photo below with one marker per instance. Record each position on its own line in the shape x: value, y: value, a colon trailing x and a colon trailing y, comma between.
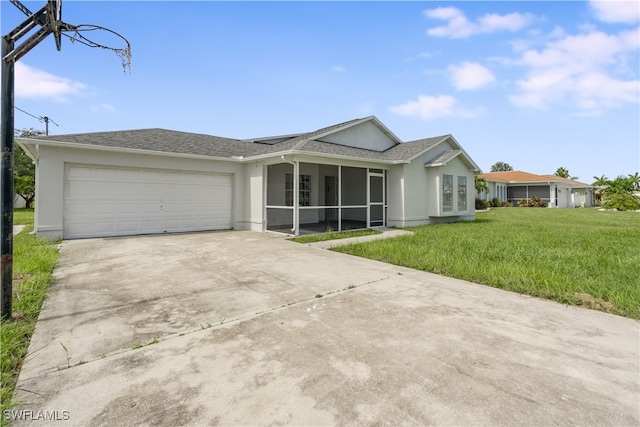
x: 44, y: 119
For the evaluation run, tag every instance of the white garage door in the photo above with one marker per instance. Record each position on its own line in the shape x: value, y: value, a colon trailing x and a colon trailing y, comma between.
x: 106, y: 201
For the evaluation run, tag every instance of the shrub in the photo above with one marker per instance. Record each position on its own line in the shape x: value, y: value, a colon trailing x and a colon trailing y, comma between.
x: 535, y: 201
x: 481, y: 205
x: 495, y: 202
x: 621, y: 202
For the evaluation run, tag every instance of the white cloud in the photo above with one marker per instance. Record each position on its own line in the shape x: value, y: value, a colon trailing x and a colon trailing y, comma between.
x: 627, y: 12
x: 458, y: 26
x: 431, y: 107
x: 338, y: 68
x: 103, y: 107
x: 510, y: 22
x: 31, y: 82
x: 470, y: 76
x: 587, y: 71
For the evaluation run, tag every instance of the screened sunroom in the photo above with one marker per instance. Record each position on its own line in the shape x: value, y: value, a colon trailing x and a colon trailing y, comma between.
x: 307, y: 198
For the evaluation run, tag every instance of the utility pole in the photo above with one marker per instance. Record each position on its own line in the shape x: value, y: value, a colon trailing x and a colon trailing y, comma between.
x: 49, y: 20
x: 6, y: 200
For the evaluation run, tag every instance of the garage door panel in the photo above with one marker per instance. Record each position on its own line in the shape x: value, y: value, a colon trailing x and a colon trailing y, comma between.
x: 171, y: 208
x: 105, y: 208
x: 131, y: 208
x: 105, y: 201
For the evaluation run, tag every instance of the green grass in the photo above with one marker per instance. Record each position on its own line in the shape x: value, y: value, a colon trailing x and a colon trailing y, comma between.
x: 333, y: 235
x: 574, y: 256
x: 33, y: 263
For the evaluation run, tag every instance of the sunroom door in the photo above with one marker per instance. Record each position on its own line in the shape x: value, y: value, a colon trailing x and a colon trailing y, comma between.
x: 376, y: 200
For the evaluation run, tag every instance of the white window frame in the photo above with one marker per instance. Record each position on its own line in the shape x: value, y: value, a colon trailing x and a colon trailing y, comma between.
x: 447, y: 193
x: 462, y: 193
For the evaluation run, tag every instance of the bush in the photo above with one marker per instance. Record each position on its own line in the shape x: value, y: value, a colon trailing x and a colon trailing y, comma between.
x: 621, y: 202
x: 535, y: 201
x: 481, y: 205
x: 495, y: 202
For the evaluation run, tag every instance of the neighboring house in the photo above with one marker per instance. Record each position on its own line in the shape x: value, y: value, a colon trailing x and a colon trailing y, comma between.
x: 19, y: 201
x: 513, y: 186
x: 352, y: 175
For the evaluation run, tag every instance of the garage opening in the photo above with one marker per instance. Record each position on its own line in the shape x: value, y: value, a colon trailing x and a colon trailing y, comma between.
x: 102, y: 201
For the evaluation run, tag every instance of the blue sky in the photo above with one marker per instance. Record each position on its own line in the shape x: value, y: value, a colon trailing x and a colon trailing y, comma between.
x: 538, y: 85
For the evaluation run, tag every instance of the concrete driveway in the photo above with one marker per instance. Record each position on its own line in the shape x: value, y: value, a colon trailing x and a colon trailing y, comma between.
x: 242, y: 328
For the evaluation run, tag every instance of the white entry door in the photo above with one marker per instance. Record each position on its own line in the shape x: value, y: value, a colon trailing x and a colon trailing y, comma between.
x: 107, y: 201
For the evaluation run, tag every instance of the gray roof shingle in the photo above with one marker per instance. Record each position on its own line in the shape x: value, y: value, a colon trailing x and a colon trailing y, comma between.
x: 162, y: 140
x: 169, y: 141
x: 443, y: 158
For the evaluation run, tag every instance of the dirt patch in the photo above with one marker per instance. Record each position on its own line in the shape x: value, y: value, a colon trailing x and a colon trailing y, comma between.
x: 589, y: 301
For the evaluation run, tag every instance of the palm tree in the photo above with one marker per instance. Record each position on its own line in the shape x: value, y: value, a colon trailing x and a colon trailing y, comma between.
x: 600, y: 181
x: 562, y: 172
x: 501, y: 167
x: 635, y: 181
x: 481, y: 184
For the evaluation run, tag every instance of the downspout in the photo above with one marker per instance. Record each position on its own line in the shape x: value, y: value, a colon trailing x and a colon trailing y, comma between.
x: 296, y: 193
x: 36, y: 210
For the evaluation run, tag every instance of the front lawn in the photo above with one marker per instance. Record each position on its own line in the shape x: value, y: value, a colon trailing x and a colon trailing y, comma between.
x: 574, y: 256
x: 33, y: 263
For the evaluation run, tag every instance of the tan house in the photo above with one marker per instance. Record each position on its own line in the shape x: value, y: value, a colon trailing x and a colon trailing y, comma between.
x: 555, y: 191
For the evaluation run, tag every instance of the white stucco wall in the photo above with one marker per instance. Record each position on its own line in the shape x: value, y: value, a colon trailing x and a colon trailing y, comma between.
x: 252, y: 217
x: 415, y: 194
x: 50, y: 169
x: 395, y: 196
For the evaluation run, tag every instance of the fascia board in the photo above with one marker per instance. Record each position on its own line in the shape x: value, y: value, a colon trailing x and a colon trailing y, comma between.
x: 321, y: 155
x: 475, y: 166
x: 28, y: 149
x: 267, y: 138
x: 74, y: 145
x: 412, y: 158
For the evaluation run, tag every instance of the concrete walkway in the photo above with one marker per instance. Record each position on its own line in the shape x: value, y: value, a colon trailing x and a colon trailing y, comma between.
x: 17, y: 229
x: 241, y: 328
x: 385, y: 233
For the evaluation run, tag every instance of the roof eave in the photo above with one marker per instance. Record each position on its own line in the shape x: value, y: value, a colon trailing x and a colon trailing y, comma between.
x: 325, y: 155
x: 60, y: 144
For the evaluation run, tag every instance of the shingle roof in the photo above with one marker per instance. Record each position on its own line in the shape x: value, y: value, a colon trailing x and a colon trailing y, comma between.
x: 169, y: 141
x: 162, y: 140
x: 443, y: 158
x: 522, y: 177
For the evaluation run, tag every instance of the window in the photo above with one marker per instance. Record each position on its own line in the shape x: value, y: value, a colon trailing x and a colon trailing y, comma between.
x: 462, y: 193
x: 304, y: 195
x: 447, y: 193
